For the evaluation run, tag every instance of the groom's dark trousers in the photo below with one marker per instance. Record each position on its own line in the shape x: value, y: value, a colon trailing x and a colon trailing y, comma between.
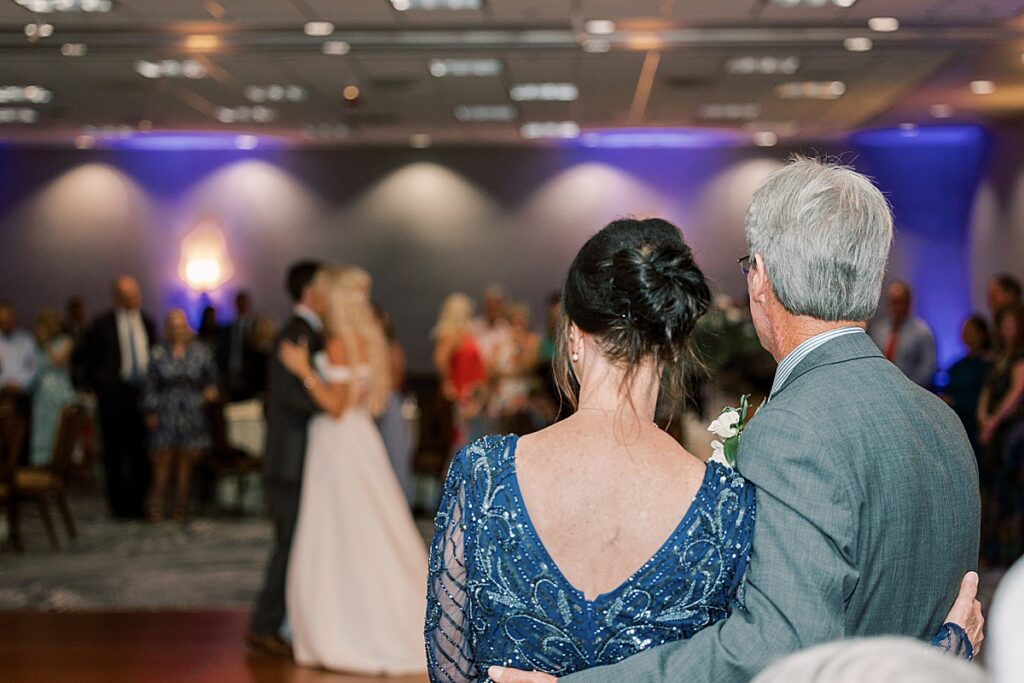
x: 288, y: 409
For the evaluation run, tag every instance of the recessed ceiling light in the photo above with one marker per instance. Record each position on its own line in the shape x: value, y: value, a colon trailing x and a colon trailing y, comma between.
x: 765, y: 138
x: 145, y: 125
x: 982, y: 87
x: 596, y: 45
x: 17, y: 94
x: 34, y: 31
x: 762, y: 65
x: 729, y: 112
x: 813, y: 3
x: 486, y: 112
x: 420, y: 141
x: 84, y: 141
x: 858, y: 44
x: 941, y: 111
x: 47, y: 6
x: 544, y: 92
x: 336, y: 47
x: 318, y: 28
x: 564, y: 130
x: 599, y: 27
x: 884, y: 24
x: 405, y: 5
x: 908, y: 128
x: 350, y: 93
x: 73, y: 49
x: 18, y: 115
x: 170, y: 68
x: 464, y: 67
x: 202, y: 43
x: 811, y: 90
x: 246, y: 142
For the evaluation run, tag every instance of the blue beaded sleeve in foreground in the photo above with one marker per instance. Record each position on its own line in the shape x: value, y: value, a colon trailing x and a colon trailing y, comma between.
x: 495, y: 596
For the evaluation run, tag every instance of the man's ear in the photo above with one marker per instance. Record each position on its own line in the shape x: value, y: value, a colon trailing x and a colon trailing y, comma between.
x: 759, y: 285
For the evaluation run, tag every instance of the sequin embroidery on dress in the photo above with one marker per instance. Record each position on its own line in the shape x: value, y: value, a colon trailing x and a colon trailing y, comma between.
x: 495, y: 596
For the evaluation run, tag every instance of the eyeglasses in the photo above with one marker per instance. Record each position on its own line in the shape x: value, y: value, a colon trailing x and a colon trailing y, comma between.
x: 745, y: 264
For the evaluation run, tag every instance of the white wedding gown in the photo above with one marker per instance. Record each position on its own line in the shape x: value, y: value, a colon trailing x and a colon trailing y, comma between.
x: 357, y: 573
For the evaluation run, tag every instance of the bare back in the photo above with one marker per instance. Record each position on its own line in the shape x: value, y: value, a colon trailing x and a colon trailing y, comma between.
x: 603, y: 502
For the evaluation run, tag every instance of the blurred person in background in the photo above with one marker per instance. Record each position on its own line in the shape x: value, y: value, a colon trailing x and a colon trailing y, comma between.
x: 1001, y: 432
x: 1004, y: 292
x: 967, y: 376
x: 513, y: 373
x: 53, y: 388
x: 74, y: 327
x: 492, y: 329
x: 262, y: 345
x: 549, y: 398
x: 209, y: 329
x: 18, y: 365
x: 117, y: 359
x: 182, y: 377
x: 905, y: 339
x: 234, y: 350
x: 461, y: 366
x: 391, y: 422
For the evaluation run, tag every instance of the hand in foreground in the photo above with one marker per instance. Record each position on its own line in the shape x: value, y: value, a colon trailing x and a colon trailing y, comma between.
x: 503, y: 675
x: 966, y: 611
x: 295, y: 358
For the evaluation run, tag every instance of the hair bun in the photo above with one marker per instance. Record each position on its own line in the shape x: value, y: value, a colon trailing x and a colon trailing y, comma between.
x: 663, y: 291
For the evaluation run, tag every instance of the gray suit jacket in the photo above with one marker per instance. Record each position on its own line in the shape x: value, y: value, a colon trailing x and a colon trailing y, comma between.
x: 288, y: 408
x: 867, y: 518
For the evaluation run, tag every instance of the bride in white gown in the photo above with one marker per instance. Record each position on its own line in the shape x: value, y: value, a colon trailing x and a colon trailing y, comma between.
x: 356, y: 577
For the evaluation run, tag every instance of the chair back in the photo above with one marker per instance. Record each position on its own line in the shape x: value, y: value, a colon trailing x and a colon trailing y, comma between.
x: 68, y: 430
x: 12, y: 436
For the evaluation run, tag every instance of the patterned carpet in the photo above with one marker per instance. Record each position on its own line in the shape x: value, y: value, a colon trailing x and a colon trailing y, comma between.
x: 214, y: 562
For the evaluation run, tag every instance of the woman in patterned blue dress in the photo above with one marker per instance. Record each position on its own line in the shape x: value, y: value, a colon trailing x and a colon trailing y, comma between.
x: 181, y: 378
x: 600, y: 536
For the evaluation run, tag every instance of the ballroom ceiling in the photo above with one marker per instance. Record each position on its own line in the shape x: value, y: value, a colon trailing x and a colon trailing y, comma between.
x: 374, y: 71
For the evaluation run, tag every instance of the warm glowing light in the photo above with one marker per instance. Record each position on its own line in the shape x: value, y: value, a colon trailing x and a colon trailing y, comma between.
x: 318, y: 28
x: 350, y: 93
x: 765, y: 138
x: 204, y: 262
x: 336, y: 47
x: 884, y: 24
x: 202, y: 43
x: 600, y: 27
x: 858, y: 44
x: 982, y: 87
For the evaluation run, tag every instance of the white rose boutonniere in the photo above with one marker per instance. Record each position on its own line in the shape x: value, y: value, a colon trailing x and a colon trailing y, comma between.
x: 729, y: 426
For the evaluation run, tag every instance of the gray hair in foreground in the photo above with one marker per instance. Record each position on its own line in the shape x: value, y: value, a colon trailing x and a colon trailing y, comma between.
x: 893, y: 660
x: 824, y: 232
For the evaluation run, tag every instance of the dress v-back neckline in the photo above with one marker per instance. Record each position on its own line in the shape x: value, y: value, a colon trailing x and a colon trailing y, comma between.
x: 557, y: 570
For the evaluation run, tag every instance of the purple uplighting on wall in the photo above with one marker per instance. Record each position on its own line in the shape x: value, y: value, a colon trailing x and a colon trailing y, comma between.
x: 930, y: 176
x: 653, y: 138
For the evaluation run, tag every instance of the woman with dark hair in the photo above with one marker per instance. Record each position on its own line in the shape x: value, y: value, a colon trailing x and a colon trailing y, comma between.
x: 967, y: 376
x: 1001, y: 429
x: 600, y: 536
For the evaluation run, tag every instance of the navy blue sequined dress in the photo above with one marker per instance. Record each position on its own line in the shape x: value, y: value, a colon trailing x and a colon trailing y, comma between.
x: 496, y: 597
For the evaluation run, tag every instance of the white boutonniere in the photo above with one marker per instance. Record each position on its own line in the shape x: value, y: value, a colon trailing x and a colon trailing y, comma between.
x: 729, y: 426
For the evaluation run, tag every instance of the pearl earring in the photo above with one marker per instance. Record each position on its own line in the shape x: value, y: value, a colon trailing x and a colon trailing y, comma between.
x: 575, y: 357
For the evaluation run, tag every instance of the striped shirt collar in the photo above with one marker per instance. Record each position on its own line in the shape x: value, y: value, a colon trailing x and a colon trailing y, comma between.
x: 792, y: 360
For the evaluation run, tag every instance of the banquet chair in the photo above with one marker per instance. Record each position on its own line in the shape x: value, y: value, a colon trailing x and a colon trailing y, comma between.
x: 12, y: 436
x: 48, y: 484
x: 225, y: 460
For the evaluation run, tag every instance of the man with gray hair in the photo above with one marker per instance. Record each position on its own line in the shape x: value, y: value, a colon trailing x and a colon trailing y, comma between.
x: 867, y: 488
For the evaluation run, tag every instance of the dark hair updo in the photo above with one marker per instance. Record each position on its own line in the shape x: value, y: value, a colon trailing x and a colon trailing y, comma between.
x: 634, y: 287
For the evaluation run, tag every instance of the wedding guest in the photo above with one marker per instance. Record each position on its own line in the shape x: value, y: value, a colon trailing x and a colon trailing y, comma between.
x: 18, y: 365
x: 391, y: 422
x: 235, y: 349
x: 888, y: 659
x: 867, y: 494
x: 261, y: 346
x: 117, y: 360
x: 289, y: 409
x: 1004, y: 292
x: 209, y: 329
x: 460, y: 366
x: 53, y: 388
x: 513, y: 372
x: 181, y: 379
x: 905, y: 339
x: 549, y: 397
x: 74, y: 327
x: 967, y: 376
x: 491, y: 329
x: 1001, y: 429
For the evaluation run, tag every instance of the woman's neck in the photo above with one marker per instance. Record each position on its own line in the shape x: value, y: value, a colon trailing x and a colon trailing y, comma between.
x: 603, y: 388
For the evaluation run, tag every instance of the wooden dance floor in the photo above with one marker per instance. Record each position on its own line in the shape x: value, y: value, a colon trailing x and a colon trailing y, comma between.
x: 143, y: 646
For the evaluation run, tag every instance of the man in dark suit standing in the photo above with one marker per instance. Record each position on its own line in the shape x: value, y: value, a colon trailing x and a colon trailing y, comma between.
x: 288, y: 409
x: 117, y: 357
x: 235, y: 350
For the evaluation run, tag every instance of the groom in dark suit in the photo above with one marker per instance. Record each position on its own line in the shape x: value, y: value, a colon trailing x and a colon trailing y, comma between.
x: 116, y: 357
x: 867, y: 488
x: 288, y: 410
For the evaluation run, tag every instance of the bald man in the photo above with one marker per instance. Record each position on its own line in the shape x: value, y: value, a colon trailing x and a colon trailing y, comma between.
x: 117, y: 358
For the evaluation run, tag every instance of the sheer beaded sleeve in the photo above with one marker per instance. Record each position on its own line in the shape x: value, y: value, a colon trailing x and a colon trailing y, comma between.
x: 953, y: 640
x: 447, y: 631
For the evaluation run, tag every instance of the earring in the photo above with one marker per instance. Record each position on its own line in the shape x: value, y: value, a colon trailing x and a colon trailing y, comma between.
x: 575, y: 357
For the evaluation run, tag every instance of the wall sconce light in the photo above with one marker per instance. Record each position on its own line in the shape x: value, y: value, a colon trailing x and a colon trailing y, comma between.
x: 204, y: 262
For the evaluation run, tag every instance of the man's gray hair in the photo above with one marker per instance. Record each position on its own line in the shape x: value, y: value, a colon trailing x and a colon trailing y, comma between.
x: 824, y: 232
x: 871, y: 659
